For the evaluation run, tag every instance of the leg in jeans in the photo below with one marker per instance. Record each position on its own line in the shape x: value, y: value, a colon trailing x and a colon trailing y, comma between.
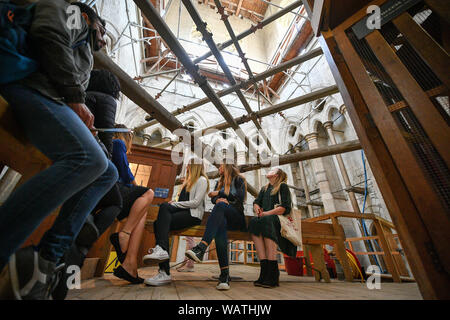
x: 78, y: 162
x: 222, y: 245
x: 219, y: 213
x: 73, y: 213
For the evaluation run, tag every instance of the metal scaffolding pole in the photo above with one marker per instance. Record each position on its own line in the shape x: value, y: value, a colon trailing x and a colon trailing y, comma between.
x: 247, y: 67
x: 325, y: 92
x: 253, y: 29
x: 164, y: 31
x: 270, y: 72
x: 207, y: 36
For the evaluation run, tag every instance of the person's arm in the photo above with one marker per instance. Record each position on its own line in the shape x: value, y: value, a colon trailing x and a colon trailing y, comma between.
x: 214, y: 198
x: 286, y: 202
x: 199, y: 196
x: 121, y: 162
x: 240, y: 190
x: 52, y: 41
x: 257, y: 203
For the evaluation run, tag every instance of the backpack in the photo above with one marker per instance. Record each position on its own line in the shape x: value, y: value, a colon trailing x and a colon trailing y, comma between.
x: 16, y: 60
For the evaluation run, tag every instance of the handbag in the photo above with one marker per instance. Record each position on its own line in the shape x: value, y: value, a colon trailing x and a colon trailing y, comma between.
x: 291, y: 226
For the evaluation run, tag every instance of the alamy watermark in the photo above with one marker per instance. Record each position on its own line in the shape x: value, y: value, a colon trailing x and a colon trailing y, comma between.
x: 374, y: 281
x: 256, y: 153
x: 374, y: 20
x: 74, y: 19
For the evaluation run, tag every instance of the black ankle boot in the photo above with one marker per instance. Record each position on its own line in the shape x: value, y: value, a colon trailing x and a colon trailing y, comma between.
x: 197, y: 252
x: 273, y: 275
x: 262, y: 274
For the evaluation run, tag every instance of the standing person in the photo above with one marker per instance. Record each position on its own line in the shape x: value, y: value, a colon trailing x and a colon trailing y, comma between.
x: 273, y: 199
x: 186, y: 212
x: 227, y: 214
x: 49, y: 105
x: 101, y: 96
x: 136, y: 200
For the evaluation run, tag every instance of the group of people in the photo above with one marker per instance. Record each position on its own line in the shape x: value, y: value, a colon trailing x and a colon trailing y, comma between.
x: 59, y: 108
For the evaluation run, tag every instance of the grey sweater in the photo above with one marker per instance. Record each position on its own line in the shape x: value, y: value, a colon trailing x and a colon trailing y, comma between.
x: 64, y: 70
x: 196, y: 202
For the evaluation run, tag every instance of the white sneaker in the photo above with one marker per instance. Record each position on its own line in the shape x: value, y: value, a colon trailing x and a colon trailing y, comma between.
x: 160, y: 279
x: 157, y: 254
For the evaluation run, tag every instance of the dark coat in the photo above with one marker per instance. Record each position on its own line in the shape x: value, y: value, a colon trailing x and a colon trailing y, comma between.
x: 103, y: 107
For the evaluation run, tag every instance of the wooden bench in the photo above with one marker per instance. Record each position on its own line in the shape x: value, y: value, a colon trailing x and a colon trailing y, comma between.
x: 16, y: 152
x: 314, y: 236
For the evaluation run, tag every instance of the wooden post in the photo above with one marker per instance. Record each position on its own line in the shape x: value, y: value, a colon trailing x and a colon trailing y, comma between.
x: 319, y: 262
x: 390, y: 265
x: 341, y: 253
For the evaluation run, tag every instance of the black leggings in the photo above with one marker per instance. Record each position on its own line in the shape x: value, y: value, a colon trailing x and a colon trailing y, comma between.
x: 223, y: 217
x: 171, y: 218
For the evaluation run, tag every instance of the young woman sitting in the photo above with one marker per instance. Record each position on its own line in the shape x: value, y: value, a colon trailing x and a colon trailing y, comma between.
x: 136, y: 200
x: 227, y: 214
x: 273, y: 199
x: 186, y: 212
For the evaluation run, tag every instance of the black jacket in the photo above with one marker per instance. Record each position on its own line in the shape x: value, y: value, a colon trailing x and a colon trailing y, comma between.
x: 103, y: 107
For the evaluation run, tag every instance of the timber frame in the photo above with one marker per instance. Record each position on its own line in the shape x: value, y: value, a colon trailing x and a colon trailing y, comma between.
x: 418, y: 208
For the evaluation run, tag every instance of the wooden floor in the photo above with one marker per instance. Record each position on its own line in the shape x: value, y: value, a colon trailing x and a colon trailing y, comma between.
x: 200, y: 285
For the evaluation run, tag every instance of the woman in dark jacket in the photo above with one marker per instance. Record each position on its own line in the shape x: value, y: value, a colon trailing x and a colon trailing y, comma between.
x: 274, y: 199
x: 227, y: 214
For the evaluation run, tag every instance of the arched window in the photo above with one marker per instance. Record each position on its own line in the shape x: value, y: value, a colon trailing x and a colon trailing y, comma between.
x: 292, y: 130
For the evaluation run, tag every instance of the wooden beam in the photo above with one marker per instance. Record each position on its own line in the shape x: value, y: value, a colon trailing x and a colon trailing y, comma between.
x: 239, y: 7
x: 296, y: 157
x: 430, y: 51
x: 412, y: 232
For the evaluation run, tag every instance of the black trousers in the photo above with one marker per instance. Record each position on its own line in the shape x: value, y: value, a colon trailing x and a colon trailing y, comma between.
x: 171, y: 218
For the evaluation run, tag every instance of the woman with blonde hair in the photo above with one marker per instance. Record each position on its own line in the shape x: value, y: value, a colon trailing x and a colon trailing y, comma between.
x: 186, y: 212
x: 136, y: 200
x: 227, y: 214
x: 273, y: 199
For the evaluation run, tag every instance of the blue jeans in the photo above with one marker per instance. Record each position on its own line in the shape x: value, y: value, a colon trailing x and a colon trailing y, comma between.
x: 78, y: 178
x: 223, y: 217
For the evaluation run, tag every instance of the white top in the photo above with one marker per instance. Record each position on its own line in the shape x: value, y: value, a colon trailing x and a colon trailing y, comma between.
x: 196, y: 202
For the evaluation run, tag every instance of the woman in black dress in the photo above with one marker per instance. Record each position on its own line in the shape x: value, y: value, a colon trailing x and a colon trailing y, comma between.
x: 274, y: 199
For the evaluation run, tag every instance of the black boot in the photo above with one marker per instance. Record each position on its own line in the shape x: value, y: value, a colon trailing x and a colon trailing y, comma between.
x: 224, y: 280
x: 273, y: 275
x: 197, y: 252
x: 262, y: 274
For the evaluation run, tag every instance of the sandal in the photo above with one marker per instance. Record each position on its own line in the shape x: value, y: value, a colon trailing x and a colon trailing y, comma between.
x: 121, y: 273
x: 114, y: 239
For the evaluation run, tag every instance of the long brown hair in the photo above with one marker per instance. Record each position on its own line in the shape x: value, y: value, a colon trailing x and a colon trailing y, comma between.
x: 281, y: 178
x: 230, y: 171
x: 126, y: 137
x: 194, y: 171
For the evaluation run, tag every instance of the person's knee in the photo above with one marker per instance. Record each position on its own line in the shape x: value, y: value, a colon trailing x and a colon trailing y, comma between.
x: 95, y: 163
x: 148, y: 196
x: 220, y: 207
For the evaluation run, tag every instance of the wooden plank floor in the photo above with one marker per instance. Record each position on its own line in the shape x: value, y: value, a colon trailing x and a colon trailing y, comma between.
x: 200, y: 285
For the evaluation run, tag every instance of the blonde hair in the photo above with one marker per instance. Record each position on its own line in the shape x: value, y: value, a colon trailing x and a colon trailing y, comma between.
x: 194, y: 171
x: 126, y: 137
x: 230, y: 171
x: 281, y: 178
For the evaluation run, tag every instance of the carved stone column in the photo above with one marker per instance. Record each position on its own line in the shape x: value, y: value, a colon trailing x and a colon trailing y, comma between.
x: 329, y: 127
x: 321, y: 176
